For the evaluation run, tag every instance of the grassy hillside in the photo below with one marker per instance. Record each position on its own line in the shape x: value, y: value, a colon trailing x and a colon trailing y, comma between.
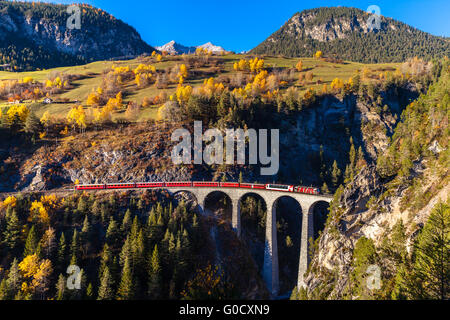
x: 91, y: 75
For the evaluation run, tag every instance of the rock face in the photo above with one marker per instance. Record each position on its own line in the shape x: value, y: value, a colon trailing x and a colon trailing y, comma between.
x: 330, y: 125
x: 43, y: 27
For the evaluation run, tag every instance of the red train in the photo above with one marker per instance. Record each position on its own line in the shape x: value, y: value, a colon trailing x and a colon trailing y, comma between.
x: 144, y: 185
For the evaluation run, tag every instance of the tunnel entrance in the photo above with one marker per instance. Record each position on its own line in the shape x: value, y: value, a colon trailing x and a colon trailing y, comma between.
x: 253, y: 226
x: 289, y: 228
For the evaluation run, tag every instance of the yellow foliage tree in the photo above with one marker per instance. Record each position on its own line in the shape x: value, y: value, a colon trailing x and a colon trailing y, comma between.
x: 9, y: 202
x: 183, y: 93
x: 29, y: 265
x: 299, y: 66
x: 20, y: 112
x: 93, y: 99
x: 77, y: 116
x: 337, y: 84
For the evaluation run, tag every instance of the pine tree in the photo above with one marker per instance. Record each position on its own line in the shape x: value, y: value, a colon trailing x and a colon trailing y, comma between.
x: 61, y: 287
x: 62, y: 251
x: 32, y: 242
x: 14, y: 279
x: 125, y: 253
x: 352, y: 155
x: 138, y: 251
x: 105, y: 291
x: 335, y: 174
x: 11, y: 235
x: 105, y: 260
x: 432, y: 265
x: 33, y: 125
x: 325, y: 188
x: 126, y: 287
x: 112, y: 233
x: 90, y: 291
x: 154, y: 283
x: 3, y: 290
x: 75, y: 247
x: 86, y: 230
x: 126, y: 222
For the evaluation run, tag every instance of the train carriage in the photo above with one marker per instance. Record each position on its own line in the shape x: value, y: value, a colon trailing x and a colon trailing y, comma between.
x: 229, y: 184
x: 179, y: 184
x: 205, y: 184
x: 89, y: 187
x: 149, y: 184
x: 120, y: 185
x: 280, y: 187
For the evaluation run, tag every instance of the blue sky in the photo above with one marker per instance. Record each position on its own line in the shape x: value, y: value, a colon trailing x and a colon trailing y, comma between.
x: 242, y: 25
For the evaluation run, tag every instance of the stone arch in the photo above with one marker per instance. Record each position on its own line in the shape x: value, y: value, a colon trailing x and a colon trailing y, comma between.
x: 228, y: 210
x: 290, y: 215
x: 319, y: 211
x: 192, y: 194
x: 252, y: 229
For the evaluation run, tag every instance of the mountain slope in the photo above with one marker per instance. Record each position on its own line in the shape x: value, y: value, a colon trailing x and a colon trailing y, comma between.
x: 344, y: 32
x: 173, y: 47
x: 34, y: 35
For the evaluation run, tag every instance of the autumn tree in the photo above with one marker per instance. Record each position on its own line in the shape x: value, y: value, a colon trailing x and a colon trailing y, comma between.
x: 299, y: 66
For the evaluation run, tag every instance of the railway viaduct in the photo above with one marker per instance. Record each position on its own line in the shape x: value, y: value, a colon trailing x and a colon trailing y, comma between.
x: 270, y: 267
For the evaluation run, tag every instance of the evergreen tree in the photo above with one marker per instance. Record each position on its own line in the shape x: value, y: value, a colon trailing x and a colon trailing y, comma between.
x: 62, y: 251
x: 32, y: 242
x: 75, y: 247
x: 14, y: 279
x: 90, y: 291
x: 105, y: 291
x: 11, y: 235
x: 33, y: 125
x: 112, y: 233
x: 125, y: 253
x: 126, y: 287
x: 432, y: 265
x: 61, y: 288
x: 335, y: 174
x: 3, y: 290
x: 126, y: 222
x: 105, y: 260
x: 155, y: 277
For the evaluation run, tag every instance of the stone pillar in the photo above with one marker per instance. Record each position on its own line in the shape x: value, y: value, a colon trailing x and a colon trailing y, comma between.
x: 270, y: 269
x: 236, y: 215
x: 307, y: 233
